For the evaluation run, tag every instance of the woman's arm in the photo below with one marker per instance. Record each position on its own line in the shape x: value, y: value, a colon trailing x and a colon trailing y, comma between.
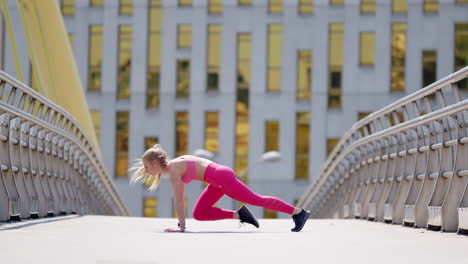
x: 179, y: 201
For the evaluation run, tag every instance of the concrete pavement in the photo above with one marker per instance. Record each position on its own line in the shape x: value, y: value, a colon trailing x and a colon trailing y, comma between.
x: 123, y: 240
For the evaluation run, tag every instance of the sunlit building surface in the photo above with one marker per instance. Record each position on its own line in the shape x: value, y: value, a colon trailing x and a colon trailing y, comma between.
x: 242, y: 77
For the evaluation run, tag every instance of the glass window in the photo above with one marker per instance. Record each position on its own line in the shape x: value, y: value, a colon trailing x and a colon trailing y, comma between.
x: 68, y: 7
x: 125, y: 61
x: 275, y: 6
x: 212, y: 131
x: 96, y: 118
x: 270, y: 214
x: 336, y: 2
x: 429, y: 64
x: 274, y: 57
x: 361, y: 115
x: 126, y: 7
x: 94, y: 57
x: 184, y: 40
x: 245, y: 2
x: 399, y: 6
x: 150, y: 142
x: 398, y: 57
x: 304, y: 61
x: 215, y: 6
x: 331, y: 143
x: 335, y: 58
x: 461, y: 1
x: 95, y: 3
x: 367, y: 6
x: 154, y: 54
x: 461, y: 51
x: 150, y: 207
x: 367, y: 48
x: 183, y: 79
x: 306, y: 6
x: 214, y: 57
x: 121, y: 163
x: 185, y: 2
x: 431, y: 6
x: 182, y: 133
x: 272, y: 135
x: 244, y: 41
x: 302, y: 145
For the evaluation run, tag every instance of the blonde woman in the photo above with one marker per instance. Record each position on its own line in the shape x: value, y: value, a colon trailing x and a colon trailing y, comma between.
x: 221, y: 179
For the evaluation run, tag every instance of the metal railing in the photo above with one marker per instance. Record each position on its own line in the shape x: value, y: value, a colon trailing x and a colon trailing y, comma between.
x: 48, y: 164
x: 406, y: 163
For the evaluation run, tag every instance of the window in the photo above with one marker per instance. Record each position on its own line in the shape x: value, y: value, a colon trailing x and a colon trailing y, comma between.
x: 331, y: 143
x: 150, y: 207
x: 185, y: 2
x: 96, y: 118
x: 429, y: 64
x: 182, y: 133
x: 126, y: 7
x: 367, y: 6
x: 215, y: 6
x: 399, y: 6
x: 154, y: 54
x: 337, y: 2
x: 304, y: 61
x: 335, y: 58
x: 212, y: 131
x: 121, y: 163
x: 94, y: 57
x: 245, y: 2
x: 270, y: 214
x: 244, y: 41
x: 150, y: 142
x: 302, y: 145
x: 274, y: 57
x: 272, y: 135
x: 214, y: 57
x: 398, y: 57
x: 184, y: 40
x: 68, y: 7
x: 431, y: 6
x: 183, y: 79
x: 461, y: 51
x: 125, y: 59
x: 362, y: 115
x: 306, y: 6
x: 275, y: 6
x: 95, y: 3
x: 367, y: 48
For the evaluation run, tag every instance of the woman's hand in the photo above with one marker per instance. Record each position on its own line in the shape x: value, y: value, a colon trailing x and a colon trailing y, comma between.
x: 174, y: 230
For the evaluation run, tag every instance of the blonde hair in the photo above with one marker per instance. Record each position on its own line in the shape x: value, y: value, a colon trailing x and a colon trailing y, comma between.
x: 140, y: 174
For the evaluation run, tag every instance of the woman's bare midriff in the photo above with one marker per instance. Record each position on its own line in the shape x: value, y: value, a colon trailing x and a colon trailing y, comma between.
x: 200, y: 165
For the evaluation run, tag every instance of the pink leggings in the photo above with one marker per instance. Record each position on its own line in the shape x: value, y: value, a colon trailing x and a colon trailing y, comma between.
x: 223, y: 181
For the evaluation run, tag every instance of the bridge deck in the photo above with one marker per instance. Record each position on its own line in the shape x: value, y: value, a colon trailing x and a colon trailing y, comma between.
x: 104, y: 239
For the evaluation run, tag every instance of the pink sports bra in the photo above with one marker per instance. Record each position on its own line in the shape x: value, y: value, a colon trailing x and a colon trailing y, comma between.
x: 191, y: 171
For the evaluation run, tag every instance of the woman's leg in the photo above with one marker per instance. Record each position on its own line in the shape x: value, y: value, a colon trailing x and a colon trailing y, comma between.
x: 237, y: 190
x: 204, y: 210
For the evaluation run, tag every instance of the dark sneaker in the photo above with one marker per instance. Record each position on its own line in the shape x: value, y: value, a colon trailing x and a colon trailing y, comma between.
x: 246, y: 216
x: 300, y: 219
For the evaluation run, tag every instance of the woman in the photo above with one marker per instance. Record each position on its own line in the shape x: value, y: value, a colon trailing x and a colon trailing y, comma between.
x: 221, y: 179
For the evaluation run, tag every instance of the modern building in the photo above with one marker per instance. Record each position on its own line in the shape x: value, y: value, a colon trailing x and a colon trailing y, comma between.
x: 240, y: 78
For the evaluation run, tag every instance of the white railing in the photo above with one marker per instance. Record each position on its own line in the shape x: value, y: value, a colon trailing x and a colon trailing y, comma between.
x: 48, y: 164
x: 406, y: 163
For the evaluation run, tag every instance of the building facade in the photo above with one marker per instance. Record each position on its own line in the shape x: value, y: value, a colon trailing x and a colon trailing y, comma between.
x: 241, y: 77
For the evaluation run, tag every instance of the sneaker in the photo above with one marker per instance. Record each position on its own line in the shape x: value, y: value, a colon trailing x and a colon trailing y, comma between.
x: 246, y: 216
x: 300, y: 219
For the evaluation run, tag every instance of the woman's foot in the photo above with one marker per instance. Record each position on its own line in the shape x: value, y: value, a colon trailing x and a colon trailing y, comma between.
x: 246, y: 216
x: 300, y: 219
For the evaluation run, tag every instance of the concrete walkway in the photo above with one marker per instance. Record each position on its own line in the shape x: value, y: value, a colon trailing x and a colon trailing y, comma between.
x: 103, y: 239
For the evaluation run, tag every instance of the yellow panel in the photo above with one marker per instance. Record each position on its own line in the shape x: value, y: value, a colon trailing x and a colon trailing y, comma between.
x: 302, y: 145
x: 272, y: 135
x: 185, y: 2
x: 125, y: 59
x: 270, y: 214
x: 150, y: 142
x: 126, y: 7
x: 245, y: 2
x: 398, y: 57
x: 275, y: 6
x: 97, y: 3
x: 150, y: 206
x: 337, y: 2
x: 212, y: 131
x: 183, y: 79
x: 121, y: 144
x: 461, y: 1
x: 304, y: 60
x: 367, y: 6
x: 95, y: 58
x: 367, y: 48
x: 399, y: 6
x: 274, y: 57
x: 331, y: 143
x: 336, y: 45
x: 68, y: 7
x: 52, y: 57
x: 182, y: 133
x: 306, y: 6
x: 431, y: 6
x: 215, y: 6
x: 184, y: 36
x: 214, y: 56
